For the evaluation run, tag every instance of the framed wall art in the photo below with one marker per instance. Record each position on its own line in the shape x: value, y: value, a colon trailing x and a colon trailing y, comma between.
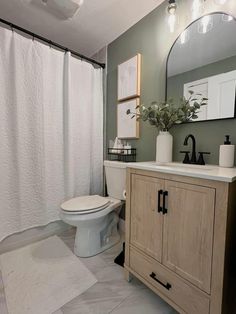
x: 129, y: 77
x: 127, y: 128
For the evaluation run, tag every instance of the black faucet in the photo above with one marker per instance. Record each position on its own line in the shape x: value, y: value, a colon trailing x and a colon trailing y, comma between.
x: 193, y: 159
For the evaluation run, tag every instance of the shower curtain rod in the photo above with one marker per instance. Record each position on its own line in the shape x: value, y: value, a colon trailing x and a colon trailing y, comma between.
x: 51, y: 43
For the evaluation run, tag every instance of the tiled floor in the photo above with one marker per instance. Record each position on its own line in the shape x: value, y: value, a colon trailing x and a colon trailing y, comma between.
x: 112, y: 293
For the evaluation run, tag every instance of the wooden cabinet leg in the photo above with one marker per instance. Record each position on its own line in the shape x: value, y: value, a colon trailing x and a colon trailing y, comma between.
x: 128, y: 275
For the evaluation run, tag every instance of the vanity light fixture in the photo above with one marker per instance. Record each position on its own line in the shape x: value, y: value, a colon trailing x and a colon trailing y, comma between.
x: 205, y: 24
x: 171, y: 9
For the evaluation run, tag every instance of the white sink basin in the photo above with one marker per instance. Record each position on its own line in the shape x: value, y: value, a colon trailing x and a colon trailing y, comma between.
x: 181, y: 166
x: 210, y: 172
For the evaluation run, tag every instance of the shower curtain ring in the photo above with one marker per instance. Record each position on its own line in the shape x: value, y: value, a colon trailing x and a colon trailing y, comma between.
x: 50, y: 44
x: 12, y: 28
x: 33, y: 37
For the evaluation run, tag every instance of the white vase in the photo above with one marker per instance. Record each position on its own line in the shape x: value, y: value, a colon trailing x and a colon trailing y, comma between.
x: 164, y: 147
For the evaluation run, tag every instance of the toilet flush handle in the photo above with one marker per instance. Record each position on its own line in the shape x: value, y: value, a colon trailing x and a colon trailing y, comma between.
x: 124, y: 194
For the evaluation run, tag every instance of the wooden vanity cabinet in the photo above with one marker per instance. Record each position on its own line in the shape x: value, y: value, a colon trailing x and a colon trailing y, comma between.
x: 146, y: 227
x: 180, y: 239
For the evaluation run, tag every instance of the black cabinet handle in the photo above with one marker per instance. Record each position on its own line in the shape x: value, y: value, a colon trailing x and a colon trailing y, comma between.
x: 164, y: 210
x: 167, y: 286
x: 159, y: 208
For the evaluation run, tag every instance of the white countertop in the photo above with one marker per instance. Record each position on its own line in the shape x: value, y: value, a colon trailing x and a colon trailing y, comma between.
x: 210, y: 172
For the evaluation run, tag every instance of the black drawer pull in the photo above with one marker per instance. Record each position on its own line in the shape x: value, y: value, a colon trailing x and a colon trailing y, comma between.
x: 164, y: 210
x: 167, y: 286
x: 160, y: 192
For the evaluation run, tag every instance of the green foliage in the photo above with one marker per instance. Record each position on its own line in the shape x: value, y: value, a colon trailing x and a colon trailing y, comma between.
x: 165, y: 115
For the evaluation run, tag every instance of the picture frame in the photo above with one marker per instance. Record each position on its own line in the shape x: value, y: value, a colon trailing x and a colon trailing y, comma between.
x: 127, y: 128
x: 129, y: 78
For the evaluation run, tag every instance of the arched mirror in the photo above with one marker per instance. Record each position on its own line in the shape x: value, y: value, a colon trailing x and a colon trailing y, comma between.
x: 203, y: 60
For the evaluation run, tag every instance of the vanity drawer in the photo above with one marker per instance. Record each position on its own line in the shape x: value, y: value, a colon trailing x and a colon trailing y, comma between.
x: 190, y: 299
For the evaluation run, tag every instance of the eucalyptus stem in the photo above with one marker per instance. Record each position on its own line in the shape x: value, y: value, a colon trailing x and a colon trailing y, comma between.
x: 165, y: 115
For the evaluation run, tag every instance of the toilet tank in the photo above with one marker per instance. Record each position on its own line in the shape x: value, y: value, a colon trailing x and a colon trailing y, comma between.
x: 115, y: 172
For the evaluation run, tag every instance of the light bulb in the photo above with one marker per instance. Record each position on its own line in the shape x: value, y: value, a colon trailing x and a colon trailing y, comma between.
x: 184, y: 36
x: 205, y: 24
x: 171, y: 22
x: 227, y: 18
x: 171, y: 7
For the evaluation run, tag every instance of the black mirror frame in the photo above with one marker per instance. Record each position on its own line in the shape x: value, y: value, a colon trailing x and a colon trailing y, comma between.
x: 212, y: 13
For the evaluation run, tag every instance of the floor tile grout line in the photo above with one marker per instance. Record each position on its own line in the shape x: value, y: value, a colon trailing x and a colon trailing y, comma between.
x: 116, y: 306
x: 131, y: 293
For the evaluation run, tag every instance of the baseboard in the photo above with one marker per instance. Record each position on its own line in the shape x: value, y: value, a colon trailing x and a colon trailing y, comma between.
x: 122, y: 225
x: 18, y: 240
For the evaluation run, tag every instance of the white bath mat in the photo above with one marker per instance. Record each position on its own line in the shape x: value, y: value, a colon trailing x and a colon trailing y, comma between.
x: 40, y: 278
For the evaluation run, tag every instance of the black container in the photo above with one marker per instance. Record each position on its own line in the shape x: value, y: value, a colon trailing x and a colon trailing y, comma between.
x: 122, y: 154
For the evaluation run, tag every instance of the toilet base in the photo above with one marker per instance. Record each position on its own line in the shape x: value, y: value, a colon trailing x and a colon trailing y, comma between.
x: 92, y: 241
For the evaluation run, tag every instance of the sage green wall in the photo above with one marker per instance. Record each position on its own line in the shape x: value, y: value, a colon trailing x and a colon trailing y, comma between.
x: 151, y: 38
x: 175, y: 84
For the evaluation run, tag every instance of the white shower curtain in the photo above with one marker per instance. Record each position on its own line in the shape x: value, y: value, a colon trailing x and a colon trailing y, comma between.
x: 51, y: 131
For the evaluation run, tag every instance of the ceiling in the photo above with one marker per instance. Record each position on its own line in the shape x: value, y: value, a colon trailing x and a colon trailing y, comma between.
x: 97, y: 23
x: 202, y: 49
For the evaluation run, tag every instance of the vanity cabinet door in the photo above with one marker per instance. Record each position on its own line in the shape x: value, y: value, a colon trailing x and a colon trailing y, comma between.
x: 188, y: 232
x: 146, y: 223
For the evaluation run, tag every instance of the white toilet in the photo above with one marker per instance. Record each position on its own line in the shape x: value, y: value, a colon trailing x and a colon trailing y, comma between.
x: 96, y: 217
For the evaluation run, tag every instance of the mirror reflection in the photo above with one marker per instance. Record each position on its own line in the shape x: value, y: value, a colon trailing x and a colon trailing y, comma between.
x: 203, y: 60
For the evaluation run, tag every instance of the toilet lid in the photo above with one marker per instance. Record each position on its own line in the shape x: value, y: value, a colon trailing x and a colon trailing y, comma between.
x: 85, y: 203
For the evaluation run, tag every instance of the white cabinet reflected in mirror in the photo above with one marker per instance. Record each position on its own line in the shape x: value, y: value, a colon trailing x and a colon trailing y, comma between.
x: 203, y: 60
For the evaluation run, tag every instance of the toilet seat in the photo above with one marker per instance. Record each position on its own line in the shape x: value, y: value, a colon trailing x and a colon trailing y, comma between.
x: 85, y: 204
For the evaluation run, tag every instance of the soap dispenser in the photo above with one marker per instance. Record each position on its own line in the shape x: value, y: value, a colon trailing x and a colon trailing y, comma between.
x: 227, y: 154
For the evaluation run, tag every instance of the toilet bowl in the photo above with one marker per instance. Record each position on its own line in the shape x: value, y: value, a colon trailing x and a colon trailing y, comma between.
x: 96, y: 217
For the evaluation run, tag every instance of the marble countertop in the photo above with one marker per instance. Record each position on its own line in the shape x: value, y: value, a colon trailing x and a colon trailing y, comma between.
x: 210, y: 172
